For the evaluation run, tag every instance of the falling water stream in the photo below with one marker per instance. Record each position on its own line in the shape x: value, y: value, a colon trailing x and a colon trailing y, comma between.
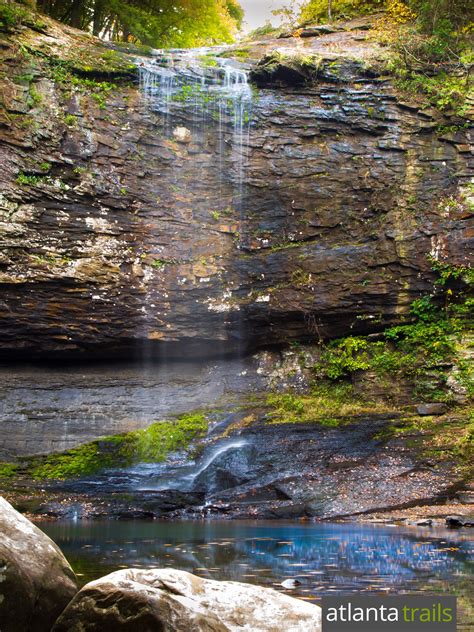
x: 205, y: 103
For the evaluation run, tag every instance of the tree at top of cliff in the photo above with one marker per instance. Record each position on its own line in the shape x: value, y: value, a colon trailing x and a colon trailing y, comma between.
x: 431, y: 15
x: 159, y: 23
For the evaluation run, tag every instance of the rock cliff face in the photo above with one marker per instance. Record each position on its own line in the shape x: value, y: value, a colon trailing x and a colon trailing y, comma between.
x: 114, y: 236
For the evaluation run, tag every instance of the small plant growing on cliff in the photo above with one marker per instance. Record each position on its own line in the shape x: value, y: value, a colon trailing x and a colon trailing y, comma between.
x: 25, y: 179
x: 70, y: 120
x: 344, y: 357
x: 35, y: 97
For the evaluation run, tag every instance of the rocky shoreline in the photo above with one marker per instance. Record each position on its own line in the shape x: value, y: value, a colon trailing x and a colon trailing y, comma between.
x: 355, y: 468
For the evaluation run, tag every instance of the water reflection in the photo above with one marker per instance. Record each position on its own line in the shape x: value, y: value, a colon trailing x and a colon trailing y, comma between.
x: 337, y: 558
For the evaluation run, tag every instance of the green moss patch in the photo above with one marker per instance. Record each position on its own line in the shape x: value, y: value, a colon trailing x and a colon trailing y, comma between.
x: 150, y: 445
x: 327, y: 404
x: 284, y: 69
x: 8, y: 470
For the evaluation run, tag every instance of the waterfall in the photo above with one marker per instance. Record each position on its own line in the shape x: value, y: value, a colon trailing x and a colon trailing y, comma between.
x: 202, y: 91
x: 198, y: 85
x: 204, y: 100
x: 182, y: 476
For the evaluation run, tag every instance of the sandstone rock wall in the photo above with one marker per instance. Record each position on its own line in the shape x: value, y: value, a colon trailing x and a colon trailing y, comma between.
x: 115, y: 237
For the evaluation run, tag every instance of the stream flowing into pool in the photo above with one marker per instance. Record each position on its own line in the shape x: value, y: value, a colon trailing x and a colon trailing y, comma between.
x: 326, y: 558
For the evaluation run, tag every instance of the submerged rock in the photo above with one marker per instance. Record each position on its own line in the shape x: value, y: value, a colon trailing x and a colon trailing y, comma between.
x: 290, y: 583
x: 168, y: 599
x: 36, y: 581
x: 422, y: 522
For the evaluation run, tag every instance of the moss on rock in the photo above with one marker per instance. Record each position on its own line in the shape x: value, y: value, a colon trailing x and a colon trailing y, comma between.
x: 150, y: 445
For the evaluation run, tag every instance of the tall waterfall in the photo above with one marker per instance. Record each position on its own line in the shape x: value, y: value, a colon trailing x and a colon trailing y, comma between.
x: 204, y: 101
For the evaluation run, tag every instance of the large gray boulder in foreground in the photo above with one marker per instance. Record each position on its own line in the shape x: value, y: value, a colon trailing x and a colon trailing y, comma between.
x: 167, y: 600
x: 36, y: 581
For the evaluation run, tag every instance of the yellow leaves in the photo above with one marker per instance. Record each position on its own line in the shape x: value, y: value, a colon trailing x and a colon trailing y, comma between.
x: 398, y: 12
x: 387, y: 26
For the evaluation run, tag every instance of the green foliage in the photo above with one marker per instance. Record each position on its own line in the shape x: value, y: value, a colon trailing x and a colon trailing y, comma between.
x: 423, y: 308
x: 157, y: 23
x: 343, y: 357
x: 328, y: 404
x: 8, y: 470
x: 70, y: 120
x: 317, y: 10
x: 208, y: 61
x: 408, y: 349
x: 413, y: 350
x: 237, y: 53
x: 25, y: 179
x: 448, y: 273
x: 431, y: 50
x: 159, y: 264
x: 262, y: 32
x: 443, y: 90
x: 13, y: 15
x: 416, y: 353
x: 442, y: 17
x: 35, y: 97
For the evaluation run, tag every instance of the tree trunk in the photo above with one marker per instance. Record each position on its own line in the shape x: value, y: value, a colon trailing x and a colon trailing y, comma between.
x: 76, y: 14
x: 330, y: 10
x: 98, y: 19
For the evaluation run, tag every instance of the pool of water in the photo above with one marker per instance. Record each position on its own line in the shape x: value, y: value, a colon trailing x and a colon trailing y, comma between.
x: 325, y: 558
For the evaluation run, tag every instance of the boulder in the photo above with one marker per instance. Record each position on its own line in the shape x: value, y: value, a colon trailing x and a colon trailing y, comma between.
x: 436, y: 408
x: 456, y: 522
x: 182, y: 135
x: 36, y: 581
x: 172, y: 600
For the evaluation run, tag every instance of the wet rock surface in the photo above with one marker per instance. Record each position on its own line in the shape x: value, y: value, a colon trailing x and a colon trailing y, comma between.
x: 36, y: 580
x: 455, y: 522
x: 116, y: 237
x: 267, y: 471
x: 168, y: 599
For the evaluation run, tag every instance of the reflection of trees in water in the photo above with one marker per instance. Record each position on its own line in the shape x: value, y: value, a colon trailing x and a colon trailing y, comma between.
x: 332, y: 557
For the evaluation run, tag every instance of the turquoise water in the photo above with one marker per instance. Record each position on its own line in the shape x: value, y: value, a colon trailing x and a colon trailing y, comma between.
x: 325, y: 558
